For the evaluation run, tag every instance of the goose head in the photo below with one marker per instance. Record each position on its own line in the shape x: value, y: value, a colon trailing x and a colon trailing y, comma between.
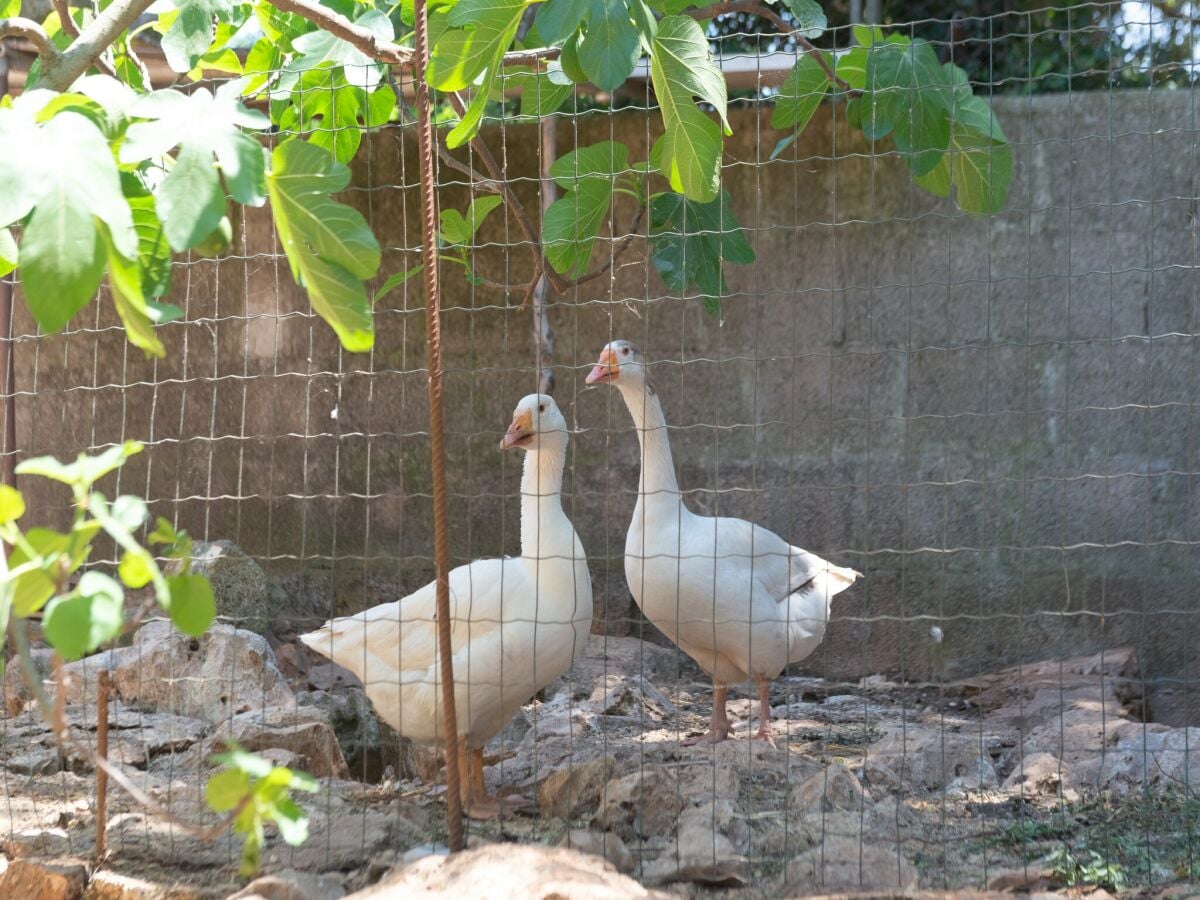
x: 537, y: 424
x: 620, y: 363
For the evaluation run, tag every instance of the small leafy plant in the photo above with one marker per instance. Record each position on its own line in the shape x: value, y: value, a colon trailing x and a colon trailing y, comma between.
x: 259, y: 793
x: 78, y: 619
x: 1094, y: 870
x: 81, y: 615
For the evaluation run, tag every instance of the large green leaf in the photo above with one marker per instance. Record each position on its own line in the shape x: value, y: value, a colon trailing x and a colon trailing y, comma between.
x: 62, y: 169
x: 571, y: 224
x: 473, y: 49
x: 36, y: 586
x: 193, y: 607
x: 606, y: 160
x: 138, y: 313
x: 610, y: 46
x: 77, y: 624
x: 329, y: 245
x: 191, y: 33
x: 682, y: 68
x: 320, y: 48
x: 191, y: 201
x: 558, y: 19
x: 690, y: 242
x: 922, y: 121
x: 480, y: 31
x: 541, y: 94
x: 154, y: 252
x: 978, y: 165
x: 802, y: 93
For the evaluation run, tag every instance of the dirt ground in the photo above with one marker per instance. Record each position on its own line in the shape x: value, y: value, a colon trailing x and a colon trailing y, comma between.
x: 1036, y: 779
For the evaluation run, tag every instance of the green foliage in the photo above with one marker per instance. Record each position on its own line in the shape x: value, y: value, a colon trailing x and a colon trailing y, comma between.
x: 589, y: 177
x: 258, y: 793
x: 1093, y: 869
x: 949, y: 138
x: 681, y: 68
x: 191, y: 199
x: 78, y: 620
x: 799, y: 97
x: 192, y: 30
x: 109, y: 179
x: 454, y: 239
x: 610, y: 46
x: 691, y: 242
x: 479, y: 33
x: 329, y: 245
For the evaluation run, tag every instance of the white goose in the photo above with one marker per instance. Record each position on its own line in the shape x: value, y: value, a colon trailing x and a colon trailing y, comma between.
x: 517, y: 623
x: 736, y: 598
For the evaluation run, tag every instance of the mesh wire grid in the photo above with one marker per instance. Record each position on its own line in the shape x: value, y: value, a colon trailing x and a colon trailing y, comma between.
x: 991, y: 418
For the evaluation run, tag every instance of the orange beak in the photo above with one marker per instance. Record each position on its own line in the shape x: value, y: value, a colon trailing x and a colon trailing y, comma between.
x: 607, y: 369
x: 520, y: 432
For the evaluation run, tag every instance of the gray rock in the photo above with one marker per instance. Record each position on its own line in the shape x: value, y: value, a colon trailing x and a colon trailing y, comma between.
x: 303, y: 731
x: 38, y: 842
x: 640, y: 805
x: 600, y: 843
x: 834, y: 788
x: 81, y: 679
x: 926, y: 757
x: 511, y: 872
x: 35, y: 761
x: 575, y: 790
x: 226, y: 672
x: 848, y: 863
x: 699, y: 853
x: 239, y: 584
x: 291, y: 885
x: 16, y: 693
x: 368, y: 744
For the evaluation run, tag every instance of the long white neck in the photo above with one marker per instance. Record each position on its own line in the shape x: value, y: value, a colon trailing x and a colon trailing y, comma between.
x: 545, y: 529
x: 657, y: 480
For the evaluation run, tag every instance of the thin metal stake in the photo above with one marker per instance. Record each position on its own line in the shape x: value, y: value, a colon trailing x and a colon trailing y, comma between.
x: 101, y: 775
x: 437, y: 442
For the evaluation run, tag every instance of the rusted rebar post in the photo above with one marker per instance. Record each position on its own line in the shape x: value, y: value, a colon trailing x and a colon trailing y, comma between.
x: 437, y: 443
x: 101, y: 775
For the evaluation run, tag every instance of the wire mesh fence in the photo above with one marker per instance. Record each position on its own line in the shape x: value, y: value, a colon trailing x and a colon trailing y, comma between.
x: 992, y: 419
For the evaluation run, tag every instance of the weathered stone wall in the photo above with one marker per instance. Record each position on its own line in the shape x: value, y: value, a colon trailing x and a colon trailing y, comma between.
x: 994, y: 419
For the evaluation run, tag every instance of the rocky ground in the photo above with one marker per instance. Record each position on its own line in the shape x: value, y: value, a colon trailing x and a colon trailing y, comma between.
x: 1037, y: 779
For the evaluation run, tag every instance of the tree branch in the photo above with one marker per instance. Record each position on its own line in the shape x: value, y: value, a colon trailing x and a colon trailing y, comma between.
x: 68, y: 25
x: 61, y: 71
x: 339, y: 26
x: 479, y: 182
x: 764, y: 12
x: 64, y: 17
x: 510, y: 199
x: 32, y: 32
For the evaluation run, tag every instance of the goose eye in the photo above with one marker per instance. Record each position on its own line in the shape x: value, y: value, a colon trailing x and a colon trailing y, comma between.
x: 542, y: 407
x: 624, y: 351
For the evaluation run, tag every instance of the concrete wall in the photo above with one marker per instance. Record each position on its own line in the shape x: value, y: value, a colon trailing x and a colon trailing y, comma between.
x: 993, y: 419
